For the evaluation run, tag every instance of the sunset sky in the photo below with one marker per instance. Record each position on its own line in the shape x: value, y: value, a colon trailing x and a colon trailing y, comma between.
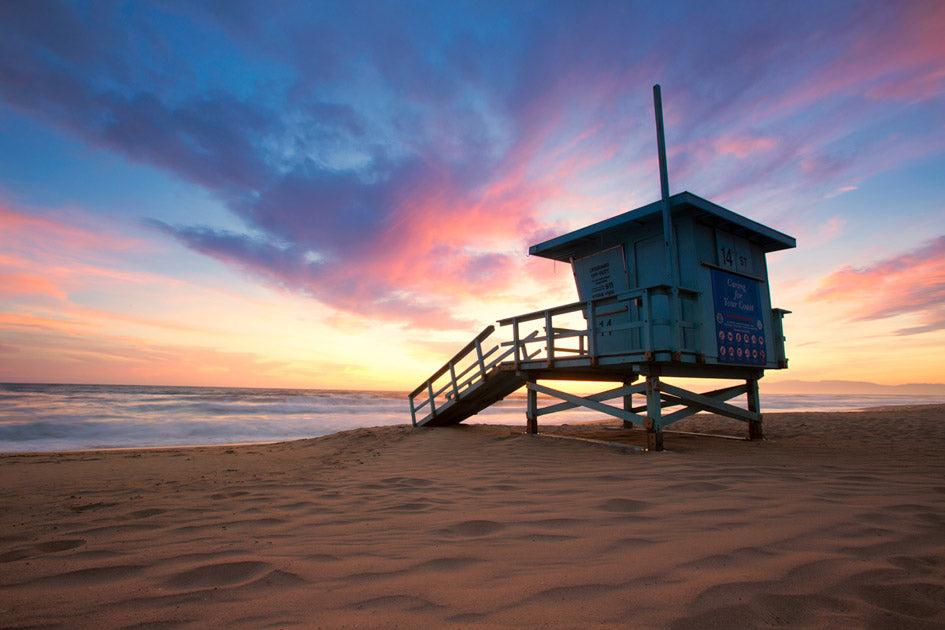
x: 340, y: 195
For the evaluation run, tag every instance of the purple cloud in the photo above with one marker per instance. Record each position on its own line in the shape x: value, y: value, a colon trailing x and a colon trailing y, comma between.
x: 373, y: 151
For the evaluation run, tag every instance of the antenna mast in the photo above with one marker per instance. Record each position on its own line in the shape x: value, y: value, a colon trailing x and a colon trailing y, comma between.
x: 669, y: 237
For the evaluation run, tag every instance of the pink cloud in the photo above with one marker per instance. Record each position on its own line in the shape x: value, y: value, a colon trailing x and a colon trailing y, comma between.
x: 913, y: 60
x: 741, y: 146
x: 49, y: 257
x: 23, y: 322
x: 911, y: 283
x: 52, y: 234
x: 898, y: 57
x: 19, y: 283
x: 841, y: 190
x: 449, y: 242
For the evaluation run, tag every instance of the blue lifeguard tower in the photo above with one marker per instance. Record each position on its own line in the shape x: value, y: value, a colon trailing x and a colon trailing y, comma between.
x: 676, y: 288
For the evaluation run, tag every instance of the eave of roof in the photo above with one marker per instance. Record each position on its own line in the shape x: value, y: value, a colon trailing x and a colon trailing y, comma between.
x: 564, y: 247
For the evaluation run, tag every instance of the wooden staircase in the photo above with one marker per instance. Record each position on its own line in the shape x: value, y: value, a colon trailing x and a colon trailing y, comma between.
x: 468, y: 383
x: 486, y: 370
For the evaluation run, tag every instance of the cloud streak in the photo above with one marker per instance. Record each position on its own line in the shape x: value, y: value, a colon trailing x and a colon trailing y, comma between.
x: 911, y: 284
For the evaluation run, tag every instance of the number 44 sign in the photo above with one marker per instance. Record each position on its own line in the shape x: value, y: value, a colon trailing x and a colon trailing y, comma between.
x: 739, y: 327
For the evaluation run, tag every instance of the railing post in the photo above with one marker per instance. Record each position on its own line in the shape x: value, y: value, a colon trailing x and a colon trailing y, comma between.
x: 430, y: 394
x: 481, y: 360
x: 413, y: 411
x: 592, y: 330
x: 518, y: 359
x: 549, y: 340
x: 453, y: 380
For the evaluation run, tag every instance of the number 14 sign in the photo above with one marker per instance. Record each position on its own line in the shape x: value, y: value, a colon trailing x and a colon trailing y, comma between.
x: 734, y: 252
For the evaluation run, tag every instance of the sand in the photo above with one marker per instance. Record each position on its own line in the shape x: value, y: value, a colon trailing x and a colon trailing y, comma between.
x: 837, y: 520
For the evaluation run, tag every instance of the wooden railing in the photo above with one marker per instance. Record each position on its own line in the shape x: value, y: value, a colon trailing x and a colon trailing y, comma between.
x: 628, y: 326
x: 461, y: 374
x: 546, y: 344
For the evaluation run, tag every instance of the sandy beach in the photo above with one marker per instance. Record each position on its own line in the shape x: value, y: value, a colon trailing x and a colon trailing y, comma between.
x: 836, y: 521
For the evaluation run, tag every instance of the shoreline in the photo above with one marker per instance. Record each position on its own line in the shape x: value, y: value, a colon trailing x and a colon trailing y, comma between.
x: 837, y: 520
x: 470, y: 422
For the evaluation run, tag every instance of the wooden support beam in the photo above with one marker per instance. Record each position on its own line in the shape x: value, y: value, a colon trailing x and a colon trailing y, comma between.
x: 708, y: 403
x: 628, y: 404
x: 724, y: 393
x: 531, y: 410
x: 654, y: 412
x: 755, y: 429
x: 581, y: 401
x: 607, y: 395
x: 679, y: 415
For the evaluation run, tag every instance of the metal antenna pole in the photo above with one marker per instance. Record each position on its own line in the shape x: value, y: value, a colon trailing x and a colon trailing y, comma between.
x: 669, y: 235
x: 669, y: 238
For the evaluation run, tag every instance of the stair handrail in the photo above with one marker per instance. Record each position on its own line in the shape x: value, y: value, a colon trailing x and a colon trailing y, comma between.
x: 449, y: 366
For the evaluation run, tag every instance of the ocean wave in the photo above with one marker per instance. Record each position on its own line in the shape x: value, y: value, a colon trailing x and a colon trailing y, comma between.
x: 36, y: 417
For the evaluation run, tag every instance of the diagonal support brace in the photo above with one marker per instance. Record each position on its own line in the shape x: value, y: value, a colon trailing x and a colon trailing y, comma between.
x: 582, y: 401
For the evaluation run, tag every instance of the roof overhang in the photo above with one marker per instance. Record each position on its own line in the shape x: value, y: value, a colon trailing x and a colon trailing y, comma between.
x: 581, y: 242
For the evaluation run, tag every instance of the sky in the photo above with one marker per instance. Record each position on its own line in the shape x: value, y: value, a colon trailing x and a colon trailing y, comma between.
x: 340, y: 195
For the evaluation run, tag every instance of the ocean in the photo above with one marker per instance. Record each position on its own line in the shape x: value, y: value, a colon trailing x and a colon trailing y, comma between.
x: 40, y: 417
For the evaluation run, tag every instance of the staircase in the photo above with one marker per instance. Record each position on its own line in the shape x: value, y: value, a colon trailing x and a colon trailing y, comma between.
x: 465, y: 385
x: 485, y: 371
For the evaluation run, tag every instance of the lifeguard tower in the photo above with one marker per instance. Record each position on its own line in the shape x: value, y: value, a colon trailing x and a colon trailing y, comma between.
x: 676, y: 288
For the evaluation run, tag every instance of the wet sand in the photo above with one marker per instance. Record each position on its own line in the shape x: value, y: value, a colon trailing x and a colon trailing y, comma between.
x: 837, y: 520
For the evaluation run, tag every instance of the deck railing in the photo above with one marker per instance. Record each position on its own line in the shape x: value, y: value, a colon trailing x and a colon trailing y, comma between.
x: 631, y: 324
x: 579, y: 333
x: 464, y: 372
x: 546, y: 342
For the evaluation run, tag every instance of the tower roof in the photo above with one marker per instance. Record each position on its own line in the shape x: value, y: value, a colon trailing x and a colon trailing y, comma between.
x: 591, y: 238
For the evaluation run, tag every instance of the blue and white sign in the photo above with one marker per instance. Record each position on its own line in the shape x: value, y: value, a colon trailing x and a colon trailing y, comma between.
x: 739, y: 327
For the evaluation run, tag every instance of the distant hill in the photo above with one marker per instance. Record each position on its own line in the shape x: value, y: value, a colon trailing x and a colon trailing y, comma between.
x: 851, y: 387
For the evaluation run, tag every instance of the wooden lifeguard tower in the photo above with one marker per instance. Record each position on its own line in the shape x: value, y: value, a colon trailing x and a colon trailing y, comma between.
x: 676, y: 288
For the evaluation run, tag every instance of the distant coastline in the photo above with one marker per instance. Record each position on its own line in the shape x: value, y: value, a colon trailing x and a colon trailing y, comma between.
x: 850, y: 388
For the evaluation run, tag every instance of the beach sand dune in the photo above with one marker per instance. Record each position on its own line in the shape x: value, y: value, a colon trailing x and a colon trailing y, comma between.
x: 838, y: 520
